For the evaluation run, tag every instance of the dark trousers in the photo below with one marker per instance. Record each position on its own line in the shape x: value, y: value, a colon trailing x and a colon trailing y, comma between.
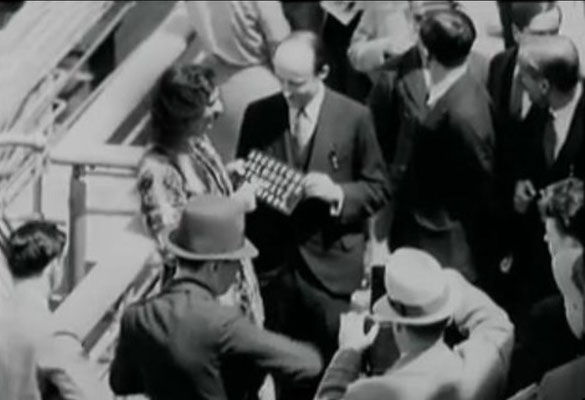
x: 297, y: 305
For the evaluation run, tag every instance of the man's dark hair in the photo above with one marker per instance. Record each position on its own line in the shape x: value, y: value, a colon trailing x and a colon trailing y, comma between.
x: 523, y: 12
x: 32, y: 247
x: 182, y: 94
x: 554, y: 58
x: 448, y: 35
x: 315, y: 43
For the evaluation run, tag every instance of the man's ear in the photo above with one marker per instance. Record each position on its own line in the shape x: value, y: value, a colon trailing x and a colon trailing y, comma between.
x: 516, y: 34
x: 544, y: 85
x: 324, y: 72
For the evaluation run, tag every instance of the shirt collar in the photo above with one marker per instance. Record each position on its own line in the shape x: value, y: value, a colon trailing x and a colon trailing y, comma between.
x: 437, y: 91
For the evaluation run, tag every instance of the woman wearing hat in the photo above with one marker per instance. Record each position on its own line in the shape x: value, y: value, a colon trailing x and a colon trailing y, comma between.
x: 182, y: 162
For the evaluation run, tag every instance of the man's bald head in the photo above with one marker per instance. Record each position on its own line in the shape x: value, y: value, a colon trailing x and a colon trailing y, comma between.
x: 302, y: 47
x: 299, y: 63
x: 554, y: 58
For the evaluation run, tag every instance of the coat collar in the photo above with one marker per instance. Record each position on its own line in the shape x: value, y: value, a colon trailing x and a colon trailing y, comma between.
x: 429, y: 359
x: 413, y: 79
x: 190, y: 284
x: 574, y: 142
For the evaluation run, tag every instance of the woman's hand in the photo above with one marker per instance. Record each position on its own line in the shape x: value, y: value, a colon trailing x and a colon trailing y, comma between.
x: 236, y: 168
x: 247, y: 195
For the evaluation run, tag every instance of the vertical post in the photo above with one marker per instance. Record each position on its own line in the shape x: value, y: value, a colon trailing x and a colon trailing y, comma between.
x: 77, y: 227
x: 38, y: 197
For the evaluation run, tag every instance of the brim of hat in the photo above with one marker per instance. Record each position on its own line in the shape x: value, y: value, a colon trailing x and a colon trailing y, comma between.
x: 384, y: 312
x: 248, y: 250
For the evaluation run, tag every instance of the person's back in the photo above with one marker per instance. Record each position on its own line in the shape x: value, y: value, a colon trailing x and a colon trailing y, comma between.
x: 183, y: 344
x: 181, y: 337
x: 38, y: 360
x: 240, y: 33
x: 18, y: 359
x: 431, y: 375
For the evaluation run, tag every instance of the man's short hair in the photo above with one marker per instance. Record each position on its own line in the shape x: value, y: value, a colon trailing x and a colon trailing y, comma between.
x: 32, y: 247
x: 448, y: 35
x: 554, y: 58
x: 523, y: 12
x: 314, y: 42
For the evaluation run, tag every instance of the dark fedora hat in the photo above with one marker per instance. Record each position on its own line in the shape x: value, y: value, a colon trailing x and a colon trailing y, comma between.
x: 211, y: 228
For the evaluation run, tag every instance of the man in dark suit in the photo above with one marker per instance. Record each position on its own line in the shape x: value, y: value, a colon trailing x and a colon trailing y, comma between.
x: 446, y: 203
x: 183, y: 344
x: 511, y: 102
x: 311, y: 261
x: 552, y: 145
x: 398, y: 102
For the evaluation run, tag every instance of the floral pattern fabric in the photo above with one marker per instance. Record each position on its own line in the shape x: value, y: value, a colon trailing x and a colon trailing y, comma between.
x: 165, y: 184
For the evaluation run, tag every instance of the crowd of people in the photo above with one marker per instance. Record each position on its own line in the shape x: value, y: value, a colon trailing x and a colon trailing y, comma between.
x: 460, y: 176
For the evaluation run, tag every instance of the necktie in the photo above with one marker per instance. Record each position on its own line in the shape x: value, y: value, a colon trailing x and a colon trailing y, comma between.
x: 549, y: 140
x: 300, y: 130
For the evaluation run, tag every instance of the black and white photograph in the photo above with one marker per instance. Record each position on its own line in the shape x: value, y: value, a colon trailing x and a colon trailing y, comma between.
x: 292, y: 200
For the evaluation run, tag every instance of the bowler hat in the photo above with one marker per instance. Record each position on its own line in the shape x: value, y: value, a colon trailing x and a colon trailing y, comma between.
x: 419, y: 291
x: 210, y: 228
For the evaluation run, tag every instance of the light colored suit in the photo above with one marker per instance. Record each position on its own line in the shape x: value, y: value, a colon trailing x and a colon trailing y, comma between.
x: 432, y: 374
x: 479, y: 364
x: 429, y: 375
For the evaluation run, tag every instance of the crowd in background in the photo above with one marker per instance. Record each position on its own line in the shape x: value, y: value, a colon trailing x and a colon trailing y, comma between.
x: 442, y: 147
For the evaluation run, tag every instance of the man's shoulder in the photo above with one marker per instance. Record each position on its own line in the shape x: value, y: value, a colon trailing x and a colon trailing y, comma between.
x: 24, y: 326
x: 400, y: 385
x: 269, y: 102
x: 503, y: 58
x: 565, y: 382
x: 344, y: 104
x: 171, y: 310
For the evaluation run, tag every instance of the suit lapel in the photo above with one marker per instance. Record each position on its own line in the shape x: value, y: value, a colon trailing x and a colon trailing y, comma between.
x: 323, y: 139
x: 413, y: 80
x: 278, y: 147
x: 574, y: 143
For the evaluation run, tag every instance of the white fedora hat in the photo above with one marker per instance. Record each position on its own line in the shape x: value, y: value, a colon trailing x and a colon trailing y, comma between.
x: 418, y: 290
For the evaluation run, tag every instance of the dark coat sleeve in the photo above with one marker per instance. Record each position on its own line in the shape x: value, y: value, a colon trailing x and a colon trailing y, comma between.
x: 268, y: 351
x: 344, y: 369
x: 370, y: 190
x: 125, y: 378
x: 246, y: 131
x: 382, y: 103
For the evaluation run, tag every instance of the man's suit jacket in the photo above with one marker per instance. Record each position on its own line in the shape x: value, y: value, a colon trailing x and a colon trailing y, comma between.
x: 429, y: 375
x: 508, y: 128
x: 564, y: 383
x: 398, y: 104
x: 484, y: 353
x: 345, y: 148
x: 500, y: 77
x: 183, y: 344
x: 571, y: 158
x: 531, y: 165
x: 398, y: 99
x: 446, y: 205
